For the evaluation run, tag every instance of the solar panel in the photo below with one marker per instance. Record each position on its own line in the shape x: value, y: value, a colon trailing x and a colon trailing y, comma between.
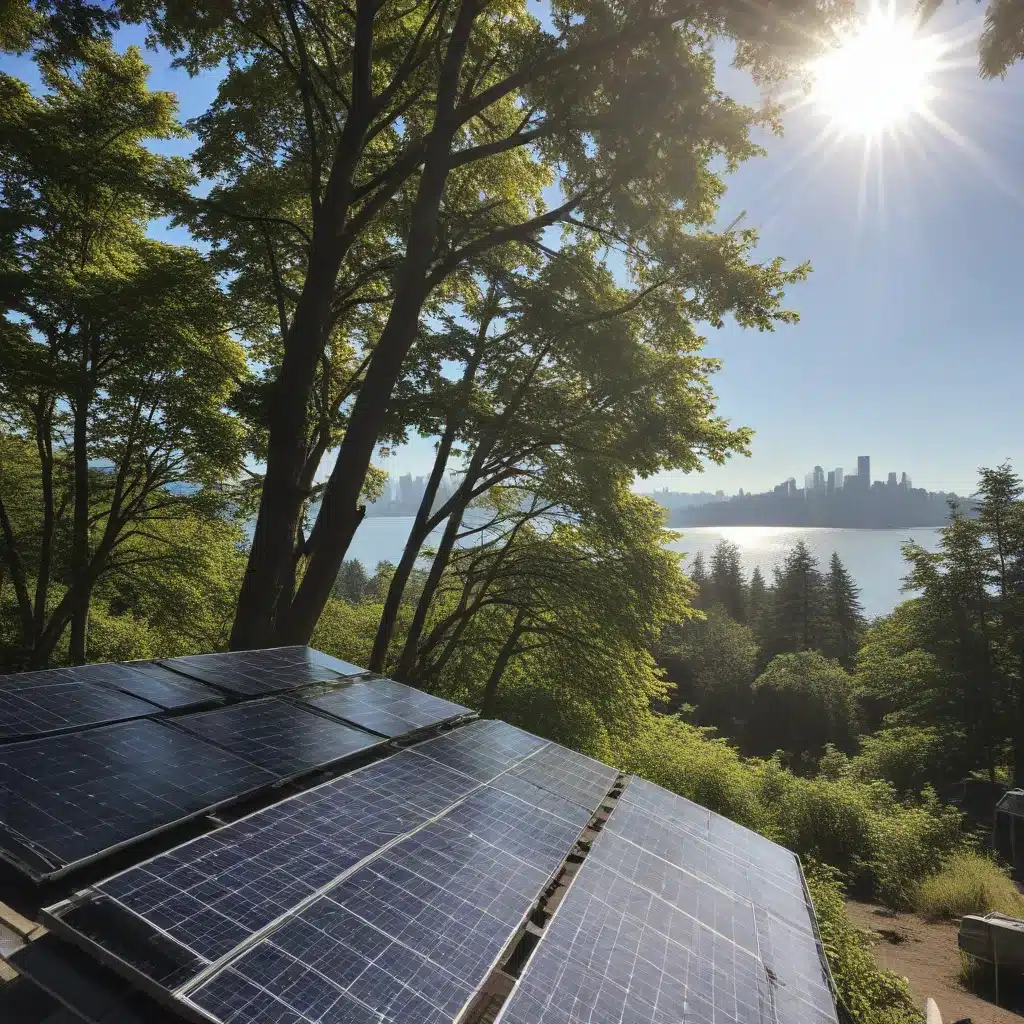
x: 38, y: 707
x: 261, y: 673
x: 278, y: 736
x: 570, y: 776
x: 408, y: 937
x: 65, y: 800
x: 193, y: 905
x: 150, y: 681
x: 385, y: 707
x: 651, y: 930
x: 482, y: 750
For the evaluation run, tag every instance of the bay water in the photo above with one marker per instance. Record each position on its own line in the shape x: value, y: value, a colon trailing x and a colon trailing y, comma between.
x: 873, y: 557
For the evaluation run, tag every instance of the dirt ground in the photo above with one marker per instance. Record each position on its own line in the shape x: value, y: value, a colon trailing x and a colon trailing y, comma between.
x: 927, y: 956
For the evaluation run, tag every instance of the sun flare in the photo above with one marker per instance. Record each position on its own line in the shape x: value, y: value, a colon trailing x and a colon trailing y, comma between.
x: 878, y: 75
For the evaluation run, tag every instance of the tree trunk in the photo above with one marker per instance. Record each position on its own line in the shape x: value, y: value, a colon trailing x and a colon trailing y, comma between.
x: 45, y: 449
x: 338, y: 512
x: 80, y: 532
x: 508, y: 649
x: 18, y: 579
x: 282, y: 495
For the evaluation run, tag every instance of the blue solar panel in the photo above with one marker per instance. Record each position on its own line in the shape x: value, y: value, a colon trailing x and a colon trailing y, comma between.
x: 150, y: 681
x: 280, y: 737
x: 384, y: 706
x: 67, y: 799
x: 408, y: 937
x: 482, y: 750
x: 212, y: 893
x: 261, y: 673
x: 656, y: 928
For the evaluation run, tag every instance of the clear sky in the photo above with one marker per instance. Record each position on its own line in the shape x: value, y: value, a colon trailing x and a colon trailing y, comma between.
x: 909, y: 343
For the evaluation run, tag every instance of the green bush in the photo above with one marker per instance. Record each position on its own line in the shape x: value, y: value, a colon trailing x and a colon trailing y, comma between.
x: 907, y: 757
x: 868, y: 994
x: 968, y: 883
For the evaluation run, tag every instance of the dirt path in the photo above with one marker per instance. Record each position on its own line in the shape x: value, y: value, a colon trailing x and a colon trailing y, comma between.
x: 927, y: 956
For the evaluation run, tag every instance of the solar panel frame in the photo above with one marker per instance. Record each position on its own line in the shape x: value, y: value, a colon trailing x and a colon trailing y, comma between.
x: 121, y: 747
x: 279, y: 736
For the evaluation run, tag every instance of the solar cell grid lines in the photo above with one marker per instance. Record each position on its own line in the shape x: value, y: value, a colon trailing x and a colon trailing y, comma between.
x: 278, y: 736
x: 261, y: 673
x: 68, y: 799
x: 211, y: 893
x: 384, y: 706
x: 652, y: 928
x: 40, y: 708
x: 570, y: 776
x: 482, y: 750
x: 407, y: 937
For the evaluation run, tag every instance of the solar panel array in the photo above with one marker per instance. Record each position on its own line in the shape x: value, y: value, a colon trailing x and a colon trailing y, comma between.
x: 99, y: 756
x: 667, y: 920
x: 389, y: 894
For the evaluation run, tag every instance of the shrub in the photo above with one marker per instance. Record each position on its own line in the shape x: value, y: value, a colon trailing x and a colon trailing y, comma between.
x: 968, y: 883
x: 868, y: 994
x: 908, y: 757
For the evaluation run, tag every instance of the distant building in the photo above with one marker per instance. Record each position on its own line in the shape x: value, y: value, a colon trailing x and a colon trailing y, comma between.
x: 791, y: 485
x: 808, y: 483
x: 839, y: 477
x: 864, y: 471
x: 905, y: 482
x: 892, y: 482
x: 819, y: 479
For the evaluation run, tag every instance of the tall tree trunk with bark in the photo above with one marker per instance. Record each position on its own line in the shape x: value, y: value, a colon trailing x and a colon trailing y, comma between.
x: 508, y: 649
x: 80, y: 532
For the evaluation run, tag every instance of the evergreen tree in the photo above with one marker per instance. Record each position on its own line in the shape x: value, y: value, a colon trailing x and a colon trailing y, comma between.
x: 726, y: 586
x: 797, y: 621
x: 698, y: 573
x: 845, y: 614
x: 352, y: 581
x: 758, y: 602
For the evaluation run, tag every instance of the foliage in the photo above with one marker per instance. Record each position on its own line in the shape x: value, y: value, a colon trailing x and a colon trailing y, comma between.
x: 844, y: 615
x: 352, y: 581
x: 868, y: 994
x: 908, y: 758
x: 801, y: 702
x: 968, y: 883
x: 798, y: 615
x: 1002, y: 39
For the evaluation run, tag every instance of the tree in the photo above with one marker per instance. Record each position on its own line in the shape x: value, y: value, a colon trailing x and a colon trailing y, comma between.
x: 797, y: 620
x: 712, y: 662
x: 414, y: 145
x: 352, y: 581
x: 698, y: 573
x: 1002, y: 39
x: 802, y: 702
x: 726, y: 585
x: 118, y: 361
x: 844, y: 615
x: 758, y: 602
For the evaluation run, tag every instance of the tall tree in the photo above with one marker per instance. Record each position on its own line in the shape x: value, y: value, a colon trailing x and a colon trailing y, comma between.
x: 844, y: 614
x: 798, y: 606
x: 414, y: 143
x: 726, y: 585
x: 118, y: 361
x: 758, y: 602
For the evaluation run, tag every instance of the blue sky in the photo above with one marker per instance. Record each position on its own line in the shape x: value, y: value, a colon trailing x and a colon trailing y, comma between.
x: 908, y: 347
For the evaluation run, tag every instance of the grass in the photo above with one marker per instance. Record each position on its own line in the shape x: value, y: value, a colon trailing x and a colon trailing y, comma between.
x: 968, y: 883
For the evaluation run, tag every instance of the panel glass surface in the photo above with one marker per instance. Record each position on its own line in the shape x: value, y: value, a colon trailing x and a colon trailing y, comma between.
x: 652, y: 928
x: 70, y: 798
x: 278, y: 736
x: 570, y: 776
x: 212, y: 893
x: 482, y: 750
x: 37, y: 707
x: 260, y: 673
x: 386, y: 707
x: 150, y: 681
x: 408, y: 937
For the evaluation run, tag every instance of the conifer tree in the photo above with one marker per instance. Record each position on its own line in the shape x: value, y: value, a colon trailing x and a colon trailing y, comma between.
x: 726, y: 585
x: 758, y: 602
x: 798, y: 607
x: 845, y: 614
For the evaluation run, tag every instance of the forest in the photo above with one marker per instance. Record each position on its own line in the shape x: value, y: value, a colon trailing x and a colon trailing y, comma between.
x: 444, y: 219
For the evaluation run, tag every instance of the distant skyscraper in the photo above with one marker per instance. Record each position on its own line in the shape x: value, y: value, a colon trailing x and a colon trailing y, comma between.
x: 791, y: 485
x: 830, y: 483
x: 839, y: 477
x: 819, y: 478
x: 808, y: 482
x: 905, y: 482
x: 864, y: 471
x: 892, y: 482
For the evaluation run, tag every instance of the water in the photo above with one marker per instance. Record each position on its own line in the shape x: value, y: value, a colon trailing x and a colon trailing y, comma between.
x: 872, y: 556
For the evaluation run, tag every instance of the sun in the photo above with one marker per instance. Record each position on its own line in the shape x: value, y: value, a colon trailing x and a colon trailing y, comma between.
x: 877, y: 76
